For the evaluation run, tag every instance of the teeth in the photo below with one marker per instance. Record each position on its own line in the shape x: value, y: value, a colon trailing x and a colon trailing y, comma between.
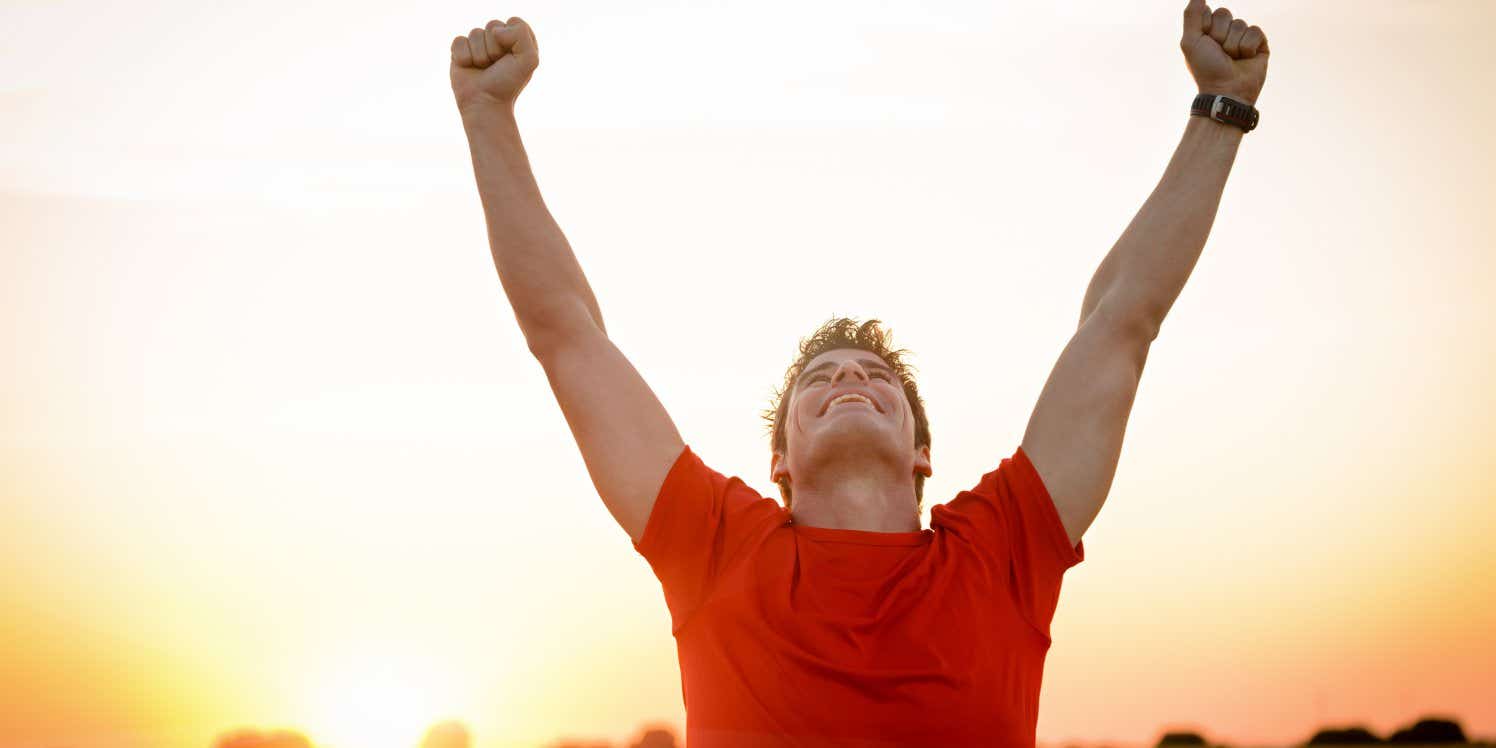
x: 851, y: 398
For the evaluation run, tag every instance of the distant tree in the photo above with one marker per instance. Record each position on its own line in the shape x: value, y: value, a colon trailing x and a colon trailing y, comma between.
x: 1346, y: 736
x: 1181, y: 738
x: 447, y: 735
x: 656, y: 737
x: 247, y: 738
x: 1430, y: 730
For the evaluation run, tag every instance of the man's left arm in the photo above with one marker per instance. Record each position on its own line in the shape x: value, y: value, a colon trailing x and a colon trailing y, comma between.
x: 1074, y: 437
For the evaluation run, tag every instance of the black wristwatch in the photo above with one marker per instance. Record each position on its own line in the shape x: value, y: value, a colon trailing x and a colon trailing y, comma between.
x: 1223, y: 108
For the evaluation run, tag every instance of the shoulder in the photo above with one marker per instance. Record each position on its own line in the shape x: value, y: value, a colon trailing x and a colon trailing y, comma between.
x: 698, y: 504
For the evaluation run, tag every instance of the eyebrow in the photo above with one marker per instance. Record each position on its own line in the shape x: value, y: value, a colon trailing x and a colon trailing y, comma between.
x: 873, y: 362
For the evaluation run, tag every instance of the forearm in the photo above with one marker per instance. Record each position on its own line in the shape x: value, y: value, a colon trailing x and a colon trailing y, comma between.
x: 539, y: 272
x: 1142, y: 275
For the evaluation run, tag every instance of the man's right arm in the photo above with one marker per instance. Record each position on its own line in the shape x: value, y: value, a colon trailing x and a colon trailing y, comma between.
x: 626, y: 437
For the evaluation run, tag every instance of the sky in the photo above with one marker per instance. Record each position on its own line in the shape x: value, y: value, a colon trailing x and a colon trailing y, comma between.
x: 273, y: 451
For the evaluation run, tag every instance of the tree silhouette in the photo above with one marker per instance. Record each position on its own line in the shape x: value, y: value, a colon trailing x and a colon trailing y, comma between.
x: 248, y: 738
x: 1347, y: 736
x: 1430, y: 730
x: 447, y: 735
x: 1181, y: 738
x: 656, y: 737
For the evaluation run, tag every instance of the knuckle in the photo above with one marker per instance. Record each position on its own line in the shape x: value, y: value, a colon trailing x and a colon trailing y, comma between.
x: 1221, y: 12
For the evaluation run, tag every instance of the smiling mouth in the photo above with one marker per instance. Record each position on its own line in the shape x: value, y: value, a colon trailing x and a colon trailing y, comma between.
x: 851, y: 399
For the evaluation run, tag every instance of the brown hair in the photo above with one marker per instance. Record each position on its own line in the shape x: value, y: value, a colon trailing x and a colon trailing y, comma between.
x: 842, y: 332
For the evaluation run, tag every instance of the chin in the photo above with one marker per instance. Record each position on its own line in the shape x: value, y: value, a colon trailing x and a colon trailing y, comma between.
x: 859, y: 440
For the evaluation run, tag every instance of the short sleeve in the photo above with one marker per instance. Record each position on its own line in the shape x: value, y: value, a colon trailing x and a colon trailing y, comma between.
x: 1012, y: 511
x: 701, y: 523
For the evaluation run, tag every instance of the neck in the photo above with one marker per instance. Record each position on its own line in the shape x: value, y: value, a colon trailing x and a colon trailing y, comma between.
x: 844, y: 496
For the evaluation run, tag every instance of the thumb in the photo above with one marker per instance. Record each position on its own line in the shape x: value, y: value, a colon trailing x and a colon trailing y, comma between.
x: 1196, y: 21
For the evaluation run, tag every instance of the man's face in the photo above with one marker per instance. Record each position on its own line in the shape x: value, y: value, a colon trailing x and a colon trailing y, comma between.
x: 848, y: 401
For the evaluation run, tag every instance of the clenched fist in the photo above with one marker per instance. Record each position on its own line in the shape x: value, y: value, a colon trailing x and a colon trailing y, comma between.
x: 492, y: 64
x: 1225, y: 55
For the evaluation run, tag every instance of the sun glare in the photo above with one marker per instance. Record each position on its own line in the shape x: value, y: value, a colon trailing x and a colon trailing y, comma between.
x: 383, y: 708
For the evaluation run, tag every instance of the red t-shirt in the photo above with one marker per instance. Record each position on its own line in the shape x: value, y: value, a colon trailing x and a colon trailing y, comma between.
x: 813, y: 637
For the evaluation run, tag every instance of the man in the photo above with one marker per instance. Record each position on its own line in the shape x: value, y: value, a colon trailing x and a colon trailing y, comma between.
x: 834, y: 620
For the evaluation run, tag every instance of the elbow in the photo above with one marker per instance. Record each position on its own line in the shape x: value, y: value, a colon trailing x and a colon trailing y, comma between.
x: 1145, y: 324
x: 557, y: 328
x: 545, y: 344
x: 1134, y: 319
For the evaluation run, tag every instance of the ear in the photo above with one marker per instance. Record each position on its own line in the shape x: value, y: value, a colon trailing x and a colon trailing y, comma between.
x: 777, y: 468
x: 922, y: 461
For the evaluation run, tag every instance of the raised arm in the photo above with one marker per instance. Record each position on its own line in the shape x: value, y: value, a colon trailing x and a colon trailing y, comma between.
x: 627, y: 440
x: 1074, y: 436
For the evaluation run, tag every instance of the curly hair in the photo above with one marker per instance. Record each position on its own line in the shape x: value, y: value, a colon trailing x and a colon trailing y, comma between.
x: 842, y: 332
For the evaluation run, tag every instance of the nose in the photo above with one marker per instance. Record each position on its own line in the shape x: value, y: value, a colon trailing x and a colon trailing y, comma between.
x: 848, y: 366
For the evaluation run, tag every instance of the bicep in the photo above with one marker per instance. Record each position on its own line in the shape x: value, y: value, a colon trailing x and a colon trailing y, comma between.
x: 1074, y: 437
x: 626, y: 437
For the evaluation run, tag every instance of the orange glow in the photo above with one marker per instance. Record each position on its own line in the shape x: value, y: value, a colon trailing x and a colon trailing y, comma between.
x: 273, y: 452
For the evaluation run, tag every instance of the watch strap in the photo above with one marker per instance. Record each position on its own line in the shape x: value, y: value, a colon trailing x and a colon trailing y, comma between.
x: 1223, y: 108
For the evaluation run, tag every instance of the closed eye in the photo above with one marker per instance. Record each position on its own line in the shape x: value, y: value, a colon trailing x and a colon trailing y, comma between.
x: 818, y: 377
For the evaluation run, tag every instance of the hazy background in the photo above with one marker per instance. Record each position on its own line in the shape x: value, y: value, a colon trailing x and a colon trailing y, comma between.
x: 273, y: 451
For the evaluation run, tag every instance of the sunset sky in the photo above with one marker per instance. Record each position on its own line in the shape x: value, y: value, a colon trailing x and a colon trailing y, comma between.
x: 273, y: 451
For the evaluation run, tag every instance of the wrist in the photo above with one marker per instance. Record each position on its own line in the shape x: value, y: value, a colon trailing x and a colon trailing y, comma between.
x: 482, y: 110
x: 1213, y: 129
x: 1231, y: 110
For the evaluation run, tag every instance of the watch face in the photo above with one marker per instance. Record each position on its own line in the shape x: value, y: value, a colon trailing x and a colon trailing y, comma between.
x: 1235, y: 112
